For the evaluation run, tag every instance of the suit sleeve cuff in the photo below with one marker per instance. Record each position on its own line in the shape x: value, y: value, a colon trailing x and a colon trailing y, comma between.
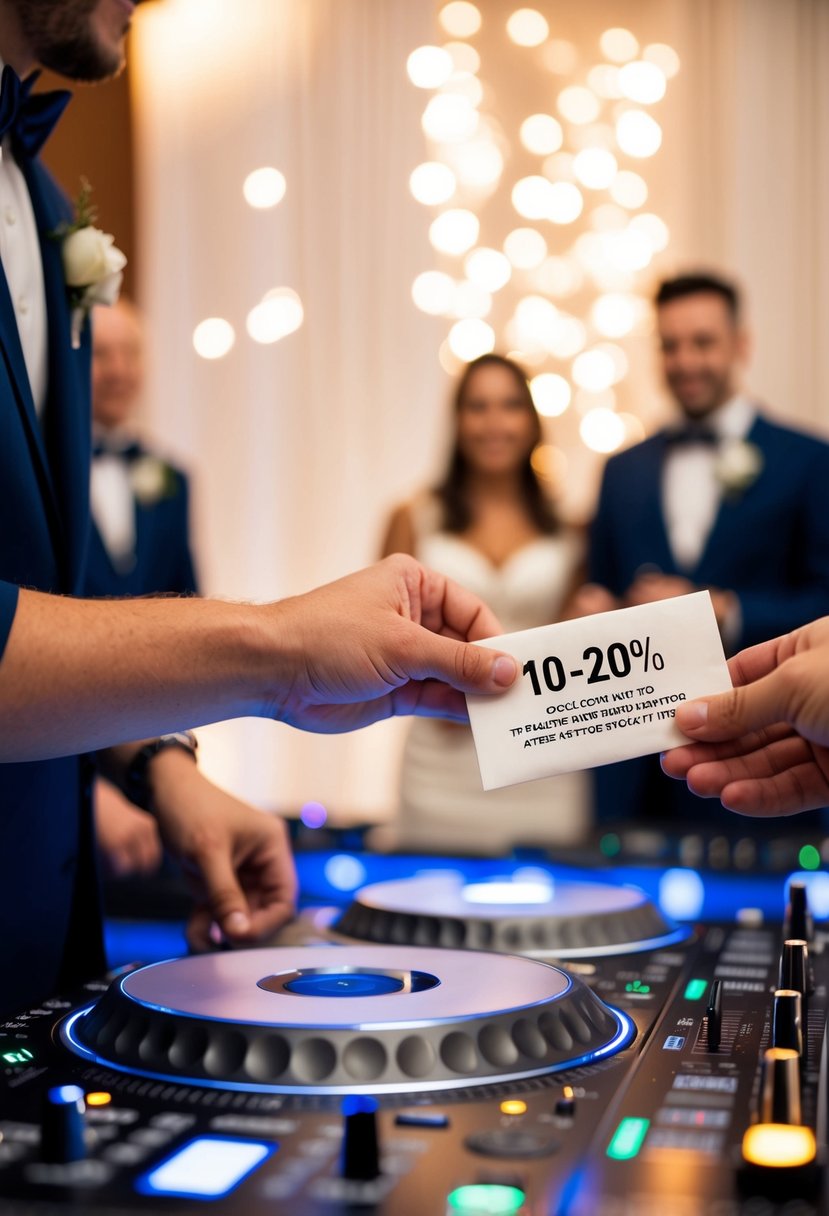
x: 8, y: 607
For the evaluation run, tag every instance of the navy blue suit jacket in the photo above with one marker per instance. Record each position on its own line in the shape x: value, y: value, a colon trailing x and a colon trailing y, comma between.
x: 163, y: 560
x: 769, y: 544
x: 49, y: 922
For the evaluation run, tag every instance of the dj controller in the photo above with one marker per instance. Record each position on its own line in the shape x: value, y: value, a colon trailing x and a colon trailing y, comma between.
x: 538, y: 1043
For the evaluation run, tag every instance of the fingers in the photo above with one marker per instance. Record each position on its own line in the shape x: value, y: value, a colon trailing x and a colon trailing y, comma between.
x: 225, y: 902
x: 462, y: 665
x: 449, y: 609
x: 801, y: 788
x: 677, y: 761
x: 738, y: 711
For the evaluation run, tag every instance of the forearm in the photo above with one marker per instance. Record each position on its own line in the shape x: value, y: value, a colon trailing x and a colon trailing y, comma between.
x: 79, y: 675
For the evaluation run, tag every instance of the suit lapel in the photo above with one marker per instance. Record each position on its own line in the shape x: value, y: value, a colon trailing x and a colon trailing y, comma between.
x: 67, y: 419
x: 658, y: 544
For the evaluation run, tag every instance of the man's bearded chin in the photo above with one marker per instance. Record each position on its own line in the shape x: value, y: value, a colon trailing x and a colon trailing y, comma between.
x: 63, y: 39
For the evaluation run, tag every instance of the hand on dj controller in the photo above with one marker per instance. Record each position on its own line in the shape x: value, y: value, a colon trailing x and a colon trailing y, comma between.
x: 763, y: 747
x: 237, y: 860
x: 389, y: 640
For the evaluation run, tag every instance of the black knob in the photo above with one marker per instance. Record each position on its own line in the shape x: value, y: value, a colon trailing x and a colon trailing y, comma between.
x: 62, y: 1129
x: 360, y: 1158
x: 798, y: 921
x: 713, y: 1015
x: 780, y: 1092
x: 787, y: 1020
x: 794, y: 966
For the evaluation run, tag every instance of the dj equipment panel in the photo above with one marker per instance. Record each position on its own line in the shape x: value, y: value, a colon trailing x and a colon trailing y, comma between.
x: 515, y: 1044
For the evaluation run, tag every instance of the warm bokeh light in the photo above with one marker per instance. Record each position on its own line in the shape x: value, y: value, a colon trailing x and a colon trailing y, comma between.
x: 460, y: 19
x: 541, y: 134
x: 603, y: 79
x: 615, y: 314
x: 629, y: 190
x: 528, y: 27
x: 665, y: 57
x: 638, y: 134
x: 532, y: 197
x: 560, y: 57
x: 533, y: 322
x: 471, y: 338
x: 470, y: 300
x: 559, y: 276
x: 783, y: 1146
x: 449, y: 118
x: 264, y: 187
x: 642, y: 81
x: 429, y: 66
x: 465, y: 84
x: 433, y: 292
x: 595, y: 168
x: 279, y: 313
x: 616, y: 356
x: 213, y: 338
x: 653, y: 228
x: 608, y: 217
x: 565, y: 203
x: 488, y: 268
x: 627, y: 250
x: 550, y: 463
x: 477, y: 163
x: 464, y: 56
x: 454, y: 231
x: 566, y: 337
x: 432, y: 183
x: 619, y: 45
x: 550, y: 393
x: 578, y: 104
x: 594, y: 370
x: 602, y: 430
x: 525, y: 248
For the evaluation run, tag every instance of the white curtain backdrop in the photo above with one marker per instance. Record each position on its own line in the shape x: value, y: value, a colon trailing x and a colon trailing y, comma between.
x: 299, y: 449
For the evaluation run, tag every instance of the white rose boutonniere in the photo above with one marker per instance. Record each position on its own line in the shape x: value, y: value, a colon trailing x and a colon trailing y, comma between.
x: 92, y: 264
x: 738, y: 465
x: 151, y: 479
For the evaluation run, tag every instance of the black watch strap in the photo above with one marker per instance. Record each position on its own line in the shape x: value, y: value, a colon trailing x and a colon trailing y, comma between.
x: 136, y: 779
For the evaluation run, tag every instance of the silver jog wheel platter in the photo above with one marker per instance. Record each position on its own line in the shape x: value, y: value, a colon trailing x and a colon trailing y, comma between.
x: 361, y: 1018
x: 549, y: 918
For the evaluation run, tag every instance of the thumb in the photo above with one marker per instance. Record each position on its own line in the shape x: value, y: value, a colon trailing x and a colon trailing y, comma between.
x: 227, y: 902
x: 738, y: 711
x: 463, y: 665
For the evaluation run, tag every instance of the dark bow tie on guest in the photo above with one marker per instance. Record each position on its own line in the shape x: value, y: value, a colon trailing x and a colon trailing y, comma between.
x: 691, y: 432
x: 127, y: 452
x: 28, y: 117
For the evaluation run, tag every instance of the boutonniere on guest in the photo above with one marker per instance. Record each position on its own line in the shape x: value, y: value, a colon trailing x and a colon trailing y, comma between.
x: 92, y: 264
x: 151, y: 480
x: 738, y: 465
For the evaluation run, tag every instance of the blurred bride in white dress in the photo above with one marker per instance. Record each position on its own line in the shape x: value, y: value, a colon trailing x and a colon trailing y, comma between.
x: 489, y: 526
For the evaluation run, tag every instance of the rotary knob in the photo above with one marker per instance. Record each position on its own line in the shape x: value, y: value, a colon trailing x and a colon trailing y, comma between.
x: 63, y: 1126
x: 787, y: 1020
x: 794, y: 965
x: 360, y: 1158
x: 780, y: 1092
x: 798, y: 920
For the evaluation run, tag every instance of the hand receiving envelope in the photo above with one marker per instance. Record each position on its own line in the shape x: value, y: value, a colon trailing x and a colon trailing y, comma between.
x: 596, y: 690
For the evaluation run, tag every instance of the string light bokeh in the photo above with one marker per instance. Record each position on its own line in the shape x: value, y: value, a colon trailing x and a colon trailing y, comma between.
x: 565, y: 287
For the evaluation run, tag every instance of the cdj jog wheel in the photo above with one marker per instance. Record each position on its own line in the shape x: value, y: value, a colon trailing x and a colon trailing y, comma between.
x: 360, y: 1018
x: 550, y: 918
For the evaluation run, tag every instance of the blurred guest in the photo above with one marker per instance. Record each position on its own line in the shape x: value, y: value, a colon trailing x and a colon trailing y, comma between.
x: 140, y: 541
x: 490, y: 525
x: 726, y: 500
x: 139, y: 545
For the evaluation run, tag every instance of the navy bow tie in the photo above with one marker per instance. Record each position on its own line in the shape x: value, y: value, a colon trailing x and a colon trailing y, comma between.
x: 131, y: 452
x: 28, y: 117
x: 681, y: 436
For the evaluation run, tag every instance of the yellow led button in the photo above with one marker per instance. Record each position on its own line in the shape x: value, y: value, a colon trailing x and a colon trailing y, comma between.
x: 513, y: 1106
x: 779, y: 1145
x: 100, y: 1098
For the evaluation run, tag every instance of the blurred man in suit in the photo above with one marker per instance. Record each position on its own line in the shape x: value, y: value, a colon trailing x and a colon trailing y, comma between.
x: 139, y: 544
x: 727, y: 500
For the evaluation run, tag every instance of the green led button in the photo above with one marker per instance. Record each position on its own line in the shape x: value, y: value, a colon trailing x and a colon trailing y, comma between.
x: 695, y: 990
x: 486, y: 1199
x: 627, y: 1139
x: 21, y: 1056
x: 809, y: 857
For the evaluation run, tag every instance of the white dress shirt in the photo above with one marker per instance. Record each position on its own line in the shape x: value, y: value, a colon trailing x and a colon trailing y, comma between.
x: 691, y: 491
x: 112, y: 499
x: 20, y: 255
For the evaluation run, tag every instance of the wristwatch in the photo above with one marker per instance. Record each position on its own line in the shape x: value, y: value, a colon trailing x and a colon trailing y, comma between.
x: 136, y: 779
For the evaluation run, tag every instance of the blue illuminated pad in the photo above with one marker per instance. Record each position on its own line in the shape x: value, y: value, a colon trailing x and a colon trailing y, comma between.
x: 207, y: 1167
